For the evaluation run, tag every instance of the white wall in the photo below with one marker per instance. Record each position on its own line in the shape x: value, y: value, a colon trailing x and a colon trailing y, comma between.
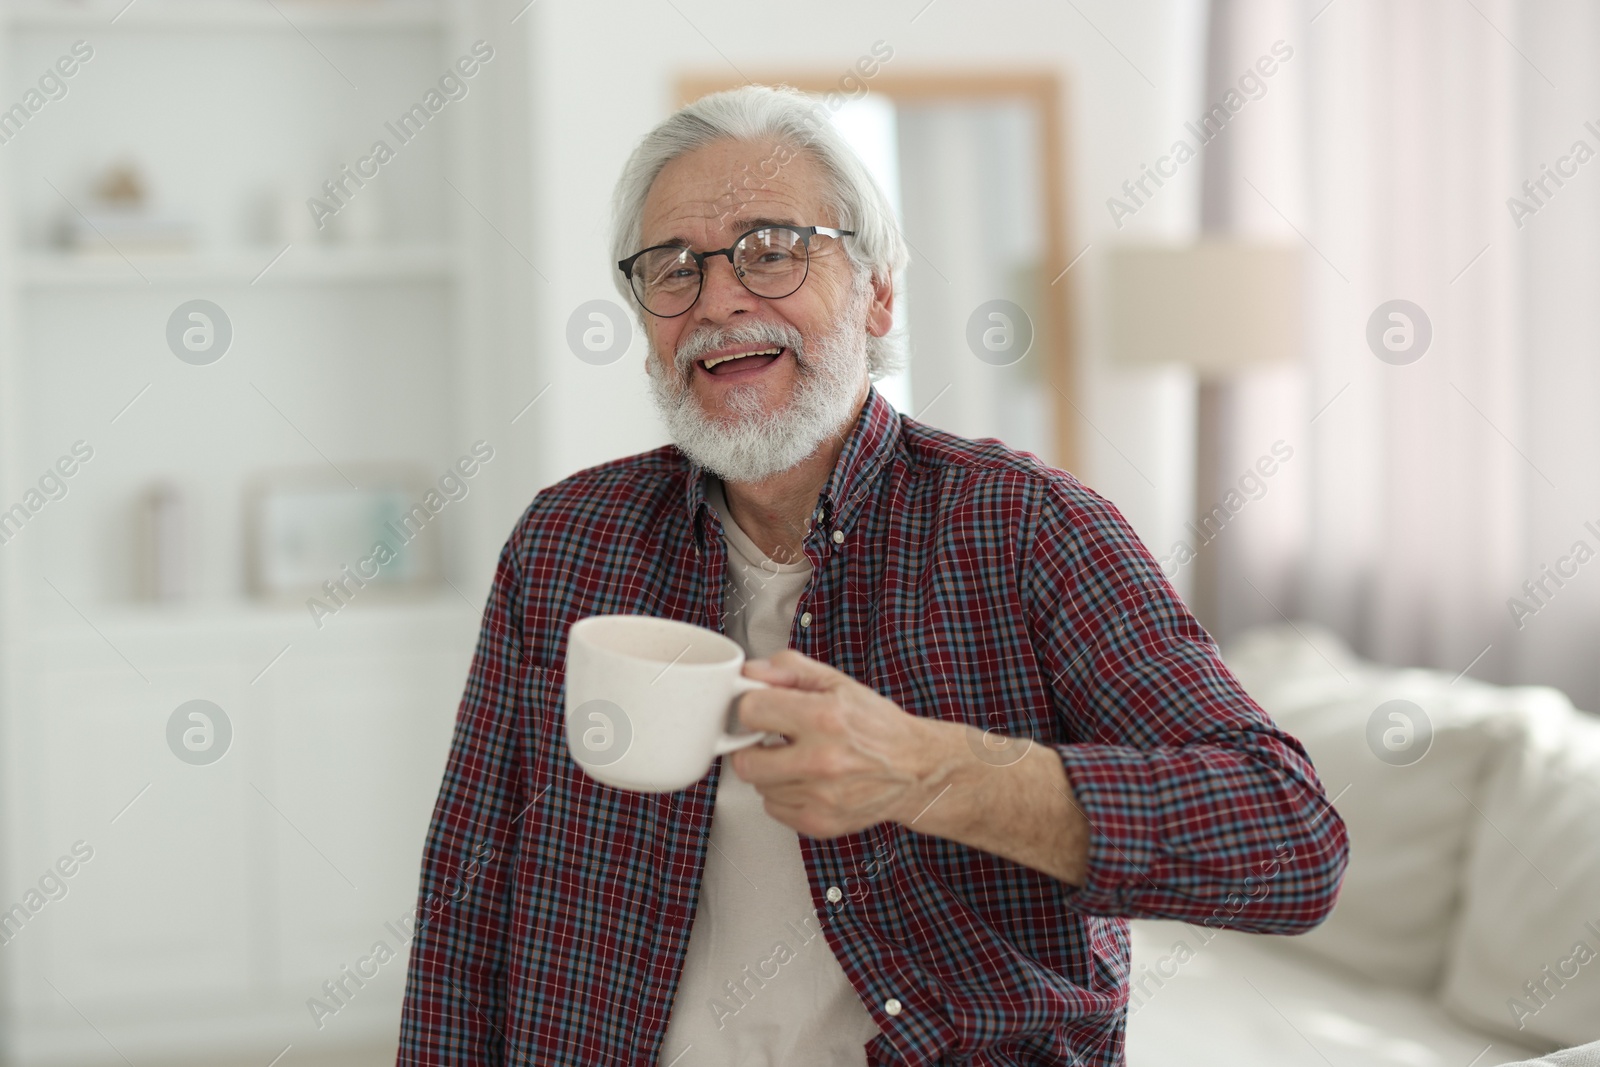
x: 604, y: 73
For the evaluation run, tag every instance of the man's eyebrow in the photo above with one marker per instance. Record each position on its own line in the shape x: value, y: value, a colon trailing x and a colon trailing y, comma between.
x: 742, y: 225
x: 739, y: 226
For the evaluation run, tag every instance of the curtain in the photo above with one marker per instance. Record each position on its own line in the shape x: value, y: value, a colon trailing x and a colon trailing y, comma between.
x: 1437, y: 500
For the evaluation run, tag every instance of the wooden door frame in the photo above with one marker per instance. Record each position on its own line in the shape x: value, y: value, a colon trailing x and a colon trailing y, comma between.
x: 1044, y: 91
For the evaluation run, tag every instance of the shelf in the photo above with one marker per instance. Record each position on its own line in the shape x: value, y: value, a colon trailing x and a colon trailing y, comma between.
x: 195, y: 622
x: 290, y: 15
x: 253, y: 266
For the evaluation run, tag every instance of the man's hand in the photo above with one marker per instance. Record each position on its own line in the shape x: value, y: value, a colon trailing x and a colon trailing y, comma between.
x: 855, y: 759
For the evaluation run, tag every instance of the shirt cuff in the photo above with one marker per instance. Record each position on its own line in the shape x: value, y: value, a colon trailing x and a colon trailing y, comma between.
x: 1115, y: 789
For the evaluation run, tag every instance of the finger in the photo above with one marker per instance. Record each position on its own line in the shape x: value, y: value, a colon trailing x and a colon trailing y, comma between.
x: 795, y: 670
x: 789, y: 712
x: 764, y: 766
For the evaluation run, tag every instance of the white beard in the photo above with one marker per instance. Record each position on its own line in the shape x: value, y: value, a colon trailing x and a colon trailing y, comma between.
x: 754, y: 445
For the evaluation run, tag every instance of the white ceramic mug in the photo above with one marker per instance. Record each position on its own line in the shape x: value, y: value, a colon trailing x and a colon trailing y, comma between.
x: 650, y: 702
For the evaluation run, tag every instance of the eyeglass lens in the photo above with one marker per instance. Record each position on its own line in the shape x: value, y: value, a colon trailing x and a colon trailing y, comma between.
x: 769, y: 262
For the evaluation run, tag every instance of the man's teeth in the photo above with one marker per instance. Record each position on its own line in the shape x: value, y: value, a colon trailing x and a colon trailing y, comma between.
x: 713, y: 361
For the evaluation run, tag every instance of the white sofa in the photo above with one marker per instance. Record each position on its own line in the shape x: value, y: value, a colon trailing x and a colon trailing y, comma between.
x: 1467, y: 932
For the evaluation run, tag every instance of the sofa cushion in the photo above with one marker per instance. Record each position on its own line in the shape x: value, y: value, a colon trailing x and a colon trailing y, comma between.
x: 1216, y: 998
x: 1405, y: 778
x: 1295, y: 667
x: 1525, y: 957
x: 1579, y: 1056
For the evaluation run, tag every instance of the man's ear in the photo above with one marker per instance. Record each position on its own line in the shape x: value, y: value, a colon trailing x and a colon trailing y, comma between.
x: 880, y: 313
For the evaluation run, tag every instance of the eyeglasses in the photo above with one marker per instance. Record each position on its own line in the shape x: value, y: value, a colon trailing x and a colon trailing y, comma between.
x: 770, y: 261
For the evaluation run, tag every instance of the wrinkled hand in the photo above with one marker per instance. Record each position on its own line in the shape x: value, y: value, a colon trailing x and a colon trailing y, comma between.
x: 854, y: 757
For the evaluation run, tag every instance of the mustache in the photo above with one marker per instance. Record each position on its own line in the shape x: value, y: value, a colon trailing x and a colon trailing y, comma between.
x: 708, y: 339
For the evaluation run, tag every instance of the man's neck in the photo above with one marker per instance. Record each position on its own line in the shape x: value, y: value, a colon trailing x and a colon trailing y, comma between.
x: 777, y: 512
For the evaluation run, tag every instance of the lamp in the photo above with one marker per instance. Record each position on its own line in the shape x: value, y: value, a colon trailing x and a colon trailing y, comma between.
x: 1219, y: 307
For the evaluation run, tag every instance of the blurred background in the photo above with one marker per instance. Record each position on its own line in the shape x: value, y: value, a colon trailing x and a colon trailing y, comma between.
x: 1304, y: 288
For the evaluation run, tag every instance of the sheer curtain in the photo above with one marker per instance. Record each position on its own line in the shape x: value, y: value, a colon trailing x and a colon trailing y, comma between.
x: 1429, y: 488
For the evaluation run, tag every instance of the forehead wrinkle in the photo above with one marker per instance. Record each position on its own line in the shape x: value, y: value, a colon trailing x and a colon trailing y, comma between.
x: 694, y: 212
x: 768, y: 201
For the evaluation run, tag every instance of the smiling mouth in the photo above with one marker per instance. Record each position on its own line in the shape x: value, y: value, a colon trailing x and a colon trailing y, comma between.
x: 741, y: 362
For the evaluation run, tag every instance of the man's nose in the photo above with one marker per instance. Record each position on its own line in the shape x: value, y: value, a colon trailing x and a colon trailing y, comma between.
x: 721, y: 293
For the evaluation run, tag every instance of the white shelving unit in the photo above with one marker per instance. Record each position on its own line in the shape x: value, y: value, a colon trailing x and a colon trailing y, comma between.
x: 229, y: 15
x: 221, y: 897
x: 257, y: 267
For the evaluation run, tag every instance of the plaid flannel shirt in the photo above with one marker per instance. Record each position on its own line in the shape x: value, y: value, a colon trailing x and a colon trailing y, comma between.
x: 970, y: 583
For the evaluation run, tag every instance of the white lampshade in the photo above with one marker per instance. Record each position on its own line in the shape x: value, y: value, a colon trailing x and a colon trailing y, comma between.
x: 1216, y: 306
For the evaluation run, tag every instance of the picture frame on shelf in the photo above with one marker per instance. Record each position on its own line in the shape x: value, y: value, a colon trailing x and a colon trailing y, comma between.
x: 310, y: 534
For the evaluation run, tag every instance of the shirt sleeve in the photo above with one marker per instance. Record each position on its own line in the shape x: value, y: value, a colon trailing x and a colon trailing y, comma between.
x: 455, y: 998
x: 1200, y: 809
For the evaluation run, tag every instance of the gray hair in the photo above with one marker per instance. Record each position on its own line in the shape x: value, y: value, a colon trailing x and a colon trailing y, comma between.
x: 761, y: 114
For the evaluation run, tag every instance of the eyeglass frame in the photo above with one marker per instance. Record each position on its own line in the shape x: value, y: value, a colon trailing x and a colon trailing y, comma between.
x: 805, y: 232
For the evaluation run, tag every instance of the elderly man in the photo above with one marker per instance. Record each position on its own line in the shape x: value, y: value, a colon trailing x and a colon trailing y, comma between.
x: 1003, y: 733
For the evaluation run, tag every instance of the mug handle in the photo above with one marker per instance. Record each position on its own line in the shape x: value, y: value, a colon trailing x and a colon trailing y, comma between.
x: 734, y: 742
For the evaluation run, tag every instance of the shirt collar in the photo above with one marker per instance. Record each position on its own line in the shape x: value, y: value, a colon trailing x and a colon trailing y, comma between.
x: 870, y: 443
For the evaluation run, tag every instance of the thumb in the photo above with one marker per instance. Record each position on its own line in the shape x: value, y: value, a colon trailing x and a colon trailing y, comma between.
x: 795, y: 670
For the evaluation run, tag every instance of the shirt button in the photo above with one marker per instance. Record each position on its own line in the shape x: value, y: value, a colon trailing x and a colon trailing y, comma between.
x: 892, y: 1006
x: 838, y: 537
x: 805, y: 619
x: 833, y: 894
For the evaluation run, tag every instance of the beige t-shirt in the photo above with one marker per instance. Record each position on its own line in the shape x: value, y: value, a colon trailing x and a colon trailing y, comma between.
x: 760, y: 986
